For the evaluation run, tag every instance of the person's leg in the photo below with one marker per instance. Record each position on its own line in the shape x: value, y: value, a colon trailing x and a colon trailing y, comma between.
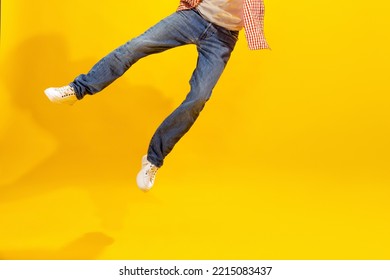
x: 170, y: 32
x: 214, y: 48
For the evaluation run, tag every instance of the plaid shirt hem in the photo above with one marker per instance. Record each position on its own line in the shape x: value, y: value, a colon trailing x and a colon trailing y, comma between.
x: 253, y: 21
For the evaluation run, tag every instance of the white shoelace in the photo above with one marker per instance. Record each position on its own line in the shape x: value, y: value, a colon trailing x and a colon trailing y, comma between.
x: 66, y: 91
x: 151, y: 173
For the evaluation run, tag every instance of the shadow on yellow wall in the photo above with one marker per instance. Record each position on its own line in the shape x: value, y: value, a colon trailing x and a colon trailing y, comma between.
x: 52, y: 147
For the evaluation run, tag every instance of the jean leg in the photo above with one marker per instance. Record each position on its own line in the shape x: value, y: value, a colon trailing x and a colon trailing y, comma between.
x: 162, y: 36
x: 213, y: 55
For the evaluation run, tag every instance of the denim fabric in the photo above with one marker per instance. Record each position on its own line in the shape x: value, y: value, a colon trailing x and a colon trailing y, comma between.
x: 214, y: 45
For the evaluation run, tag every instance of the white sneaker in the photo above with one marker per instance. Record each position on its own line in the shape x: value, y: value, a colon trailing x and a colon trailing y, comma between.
x: 145, y: 178
x: 61, y: 95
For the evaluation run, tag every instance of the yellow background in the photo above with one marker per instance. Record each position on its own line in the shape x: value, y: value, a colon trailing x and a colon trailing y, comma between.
x: 289, y: 159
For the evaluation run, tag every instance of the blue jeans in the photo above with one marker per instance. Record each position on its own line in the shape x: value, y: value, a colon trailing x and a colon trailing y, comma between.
x: 214, y: 45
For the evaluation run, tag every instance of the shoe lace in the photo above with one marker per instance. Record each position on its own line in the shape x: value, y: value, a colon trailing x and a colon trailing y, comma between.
x: 151, y: 173
x: 66, y: 91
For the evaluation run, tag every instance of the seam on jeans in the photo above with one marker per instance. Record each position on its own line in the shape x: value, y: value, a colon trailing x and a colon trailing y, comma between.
x: 205, y: 32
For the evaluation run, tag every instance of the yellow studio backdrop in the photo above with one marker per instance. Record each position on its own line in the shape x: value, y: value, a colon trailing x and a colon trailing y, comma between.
x: 288, y: 160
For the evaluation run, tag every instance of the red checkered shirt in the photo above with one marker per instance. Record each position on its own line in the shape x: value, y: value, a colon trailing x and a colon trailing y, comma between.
x: 253, y: 21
